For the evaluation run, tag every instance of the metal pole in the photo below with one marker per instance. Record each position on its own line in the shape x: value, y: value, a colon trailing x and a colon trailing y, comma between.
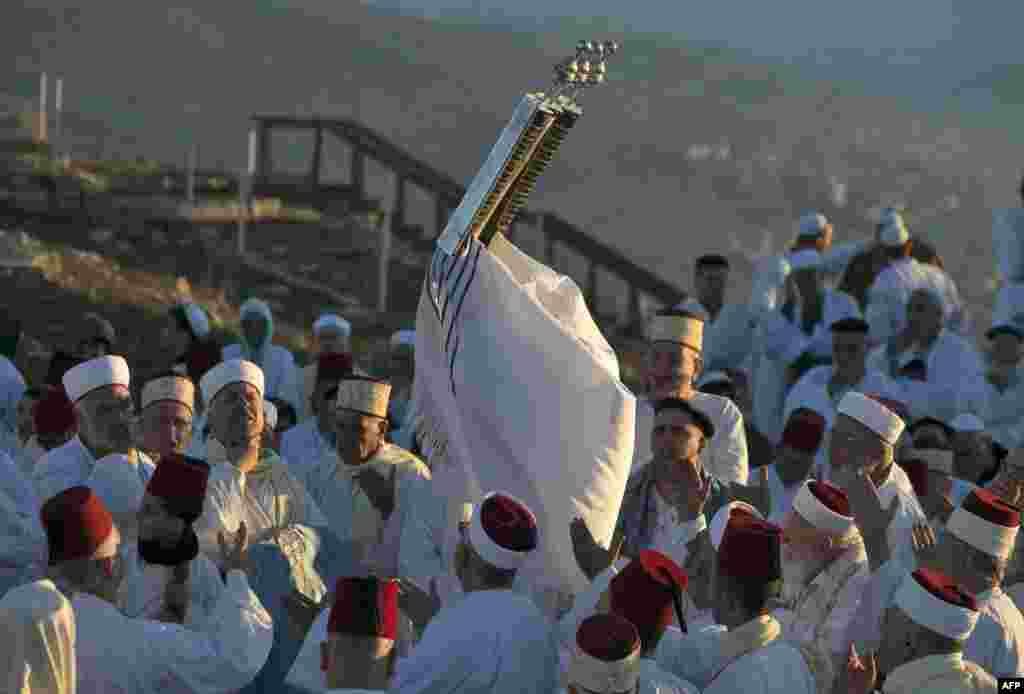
x: 246, y: 194
x: 58, y: 107
x: 190, y: 177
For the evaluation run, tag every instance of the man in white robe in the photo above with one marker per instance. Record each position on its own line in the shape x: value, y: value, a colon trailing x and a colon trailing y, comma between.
x: 825, y: 571
x: 22, y: 540
x: 257, y: 346
x: 729, y: 328
x: 796, y: 337
x: 99, y: 389
x: 929, y: 366
x: 313, y: 441
x: 169, y: 580
x: 38, y: 625
x: 794, y: 461
x: 168, y: 405
x: 117, y: 653
x: 672, y: 367
x: 889, y: 295
x: 997, y: 397
x: 331, y: 334
x: 374, y: 493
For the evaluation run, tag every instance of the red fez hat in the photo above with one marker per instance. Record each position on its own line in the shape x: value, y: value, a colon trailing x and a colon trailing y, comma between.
x: 945, y: 589
x: 53, y: 413
x: 917, y: 473
x: 987, y: 506
x: 646, y: 591
x: 333, y: 367
x: 503, y: 531
x: 750, y: 549
x: 608, y: 637
x: 181, y: 482
x: 365, y: 607
x: 804, y: 430
x: 77, y: 524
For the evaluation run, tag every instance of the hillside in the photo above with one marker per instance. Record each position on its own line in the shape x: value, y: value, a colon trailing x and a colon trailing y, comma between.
x: 635, y: 173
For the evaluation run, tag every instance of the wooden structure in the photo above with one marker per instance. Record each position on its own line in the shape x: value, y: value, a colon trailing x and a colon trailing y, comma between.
x: 362, y: 144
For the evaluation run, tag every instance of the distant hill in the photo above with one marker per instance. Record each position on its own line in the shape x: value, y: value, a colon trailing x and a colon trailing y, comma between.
x: 685, y: 148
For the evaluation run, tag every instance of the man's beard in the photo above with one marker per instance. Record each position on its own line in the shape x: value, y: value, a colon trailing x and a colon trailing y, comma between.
x: 156, y: 552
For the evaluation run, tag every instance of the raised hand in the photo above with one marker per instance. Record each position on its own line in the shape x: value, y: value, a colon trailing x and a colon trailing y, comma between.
x: 923, y: 539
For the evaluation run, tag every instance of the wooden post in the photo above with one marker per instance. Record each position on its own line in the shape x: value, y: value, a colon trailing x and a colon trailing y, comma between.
x: 386, y: 230
x: 58, y: 108
x: 266, y: 163
x: 246, y: 196
x: 41, y: 120
x: 358, y: 166
x: 318, y: 146
x: 190, y: 177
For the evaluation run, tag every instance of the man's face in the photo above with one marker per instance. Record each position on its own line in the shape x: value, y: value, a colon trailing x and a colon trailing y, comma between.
x: 106, y: 418
x: 156, y: 524
x: 332, y: 341
x: 670, y: 366
x: 359, y: 435
x: 924, y: 316
x: 254, y: 328
x: 791, y: 465
x: 236, y: 417
x: 710, y: 284
x: 676, y: 438
x: 849, y: 352
x: 853, y: 447
x: 26, y: 423
x: 972, y: 455
x: 1006, y: 350
x: 167, y: 427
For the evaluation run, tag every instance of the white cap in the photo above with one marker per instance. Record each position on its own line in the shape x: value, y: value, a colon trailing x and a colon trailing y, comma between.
x: 713, y: 377
x: 721, y: 519
x: 807, y: 259
x: 176, y: 388
x: 332, y: 321
x: 931, y: 612
x: 874, y: 415
x: 812, y: 510
x: 269, y: 415
x: 116, y: 481
x: 967, y: 423
x: 228, y: 372
x: 405, y: 338
x: 894, y: 231
x: 96, y: 373
x: 812, y: 225
x: 936, y: 459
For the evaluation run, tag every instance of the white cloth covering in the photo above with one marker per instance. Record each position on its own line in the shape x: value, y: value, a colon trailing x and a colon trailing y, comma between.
x: 886, y: 311
x: 304, y: 447
x: 72, y: 464
x: 37, y: 629
x: 119, y: 654
x: 121, y: 484
x: 695, y: 656
x: 778, y: 667
x: 142, y: 592
x: 513, y: 650
x: 724, y: 457
x: 952, y: 365
x: 898, y: 489
x: 410, y: 544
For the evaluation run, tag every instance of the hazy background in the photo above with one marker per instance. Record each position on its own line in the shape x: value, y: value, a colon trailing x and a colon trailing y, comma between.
x: 721, y: 123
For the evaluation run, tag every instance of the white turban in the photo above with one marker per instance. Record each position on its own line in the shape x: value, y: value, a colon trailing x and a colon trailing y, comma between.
x: 116, y: 481
x: 37, y: 629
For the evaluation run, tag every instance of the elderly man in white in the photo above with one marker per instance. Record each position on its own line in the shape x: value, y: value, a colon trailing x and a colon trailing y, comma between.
x: 674, y: 361
x: 929, y: 366
x: 168, y: 408
x: 888, y: 296
x: 117, y: 653
x: 309, y: 443
x: 331, y: 334
x: 103, y: 406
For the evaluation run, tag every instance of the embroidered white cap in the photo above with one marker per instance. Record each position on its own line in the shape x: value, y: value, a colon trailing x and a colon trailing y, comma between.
x: 986, y: 523
x: 176, y: 388
x: 935, y: 602
x: 332, y: 321
x: 824, y: 506
x: 269, y: 415
x: 96, y: 373
x: 721, y: 519
x: 812, y: 225
x: 807, y: 259
x: 364, y: 395
x: 967, y: 423
x: 228, y: 372
x: 874, y: 415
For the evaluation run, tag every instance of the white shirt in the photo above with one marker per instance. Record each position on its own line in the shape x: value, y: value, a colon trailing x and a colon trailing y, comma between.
x: 887, y: 298
x: 71, y: 465
x: 304, y: 447
x: 729, y: 338
x: 1002, y: 411
x: 898, y: 489
x: 724, y: 457
x: 142, y: 592
x: 118, y: 654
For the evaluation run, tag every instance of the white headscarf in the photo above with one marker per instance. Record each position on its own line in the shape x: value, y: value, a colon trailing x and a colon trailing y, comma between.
x: 116, y: 481
x: 513, y: 650
x: 37, y: 630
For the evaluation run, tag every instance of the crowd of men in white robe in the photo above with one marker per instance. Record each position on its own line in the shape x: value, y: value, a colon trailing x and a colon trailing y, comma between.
x: 824, y: 498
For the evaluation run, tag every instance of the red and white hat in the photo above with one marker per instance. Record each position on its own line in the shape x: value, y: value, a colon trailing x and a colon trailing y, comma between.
x: 96, y: 373
x: 985, y: 522
x: 228, y: 372
x: 171, y: 387
x: 824, y: 506
x: 804, y: 430
x: 646, y: 593
x: 607, y: 655
x: 503, y: 531
x: 751, y: 549
x: 936, y: 602
x: 365, y: 607
x: 874, y: 415
x: 78, y: 525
